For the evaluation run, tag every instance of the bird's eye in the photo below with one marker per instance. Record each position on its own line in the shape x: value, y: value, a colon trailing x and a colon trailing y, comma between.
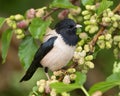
x: 71, y: 26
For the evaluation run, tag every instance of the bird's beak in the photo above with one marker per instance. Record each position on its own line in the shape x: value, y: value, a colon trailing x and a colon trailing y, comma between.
x: 78, y: 26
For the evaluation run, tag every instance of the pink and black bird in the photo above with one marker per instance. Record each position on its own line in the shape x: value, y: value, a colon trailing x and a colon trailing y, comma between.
x: 56, y: 50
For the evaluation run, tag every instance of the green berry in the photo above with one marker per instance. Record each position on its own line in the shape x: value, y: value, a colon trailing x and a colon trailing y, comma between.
x: 12, y: 17
x: 113, y: 18
x: 107, y: 19
x: 75, y: 11
x: 71, y: 70
x: 14, y: 25
x: 108, y: 36
x: 83, y: 36
x: 108, y: 44
x: 20, y: 36
x: 116, y: 67
x: 90, y: 64
x: 18, y: 31
x: 58, y: 73
x: 18, y: 17
x: 41, y: 89
x: 87, y: 22
x: 86, y: 12
x: 115, y: 24
x: 53, y: 92
x: 76, y: 55
x: 89, y: 57
x: 111, y: 30
x: 93, y: 8
x: 93, y: 29
x: 105, y: 14
x: 41, y: 82
x: 101, y: 44
x: 116, y: 38
x: 81, y: 42
x: 65, y: 94
x: 88, y: 7
x: 116, y: 52
x: 110, y: 14
x: 108, y: 10
x: 86, y: 17
x: 101, y: 37
x: 81, y: 61
x: 40, y: 12
x: 87, y: 48
x: 93, y: 21
x: 73, y: 76
x: 53, y: 77
x: 117, y: 16
x: 119, y: 44
x: 82, y: 54
x: 88, y: 27
x: 79, y: 49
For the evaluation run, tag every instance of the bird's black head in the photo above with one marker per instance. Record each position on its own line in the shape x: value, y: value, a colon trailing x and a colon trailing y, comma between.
x: 67, y: 29
x: 66, y: 25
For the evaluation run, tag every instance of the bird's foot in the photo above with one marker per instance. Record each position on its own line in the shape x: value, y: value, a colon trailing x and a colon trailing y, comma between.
x: 47, y: 75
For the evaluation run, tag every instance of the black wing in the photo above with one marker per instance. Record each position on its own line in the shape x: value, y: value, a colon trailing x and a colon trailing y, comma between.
x: 42, y: 51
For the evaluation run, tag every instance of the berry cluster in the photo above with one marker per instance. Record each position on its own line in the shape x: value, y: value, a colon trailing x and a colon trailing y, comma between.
x: 43, y: 86
x: 110, y: 19
x: 105, y: 41
x: 70, y: 13
x: 116, y: 51
x: 20, y: 23
x: 116, y: 67
x: 112, y: 22
x: 90, y: 19
x: 83, y: 59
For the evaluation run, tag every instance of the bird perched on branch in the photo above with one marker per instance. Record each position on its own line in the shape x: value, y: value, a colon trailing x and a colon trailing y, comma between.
x: 56, y: 50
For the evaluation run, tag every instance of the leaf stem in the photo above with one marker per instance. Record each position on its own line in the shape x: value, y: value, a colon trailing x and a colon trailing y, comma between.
x: 84, y: 90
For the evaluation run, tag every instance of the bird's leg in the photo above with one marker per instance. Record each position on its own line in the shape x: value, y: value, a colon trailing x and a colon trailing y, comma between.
x: 46, y: 73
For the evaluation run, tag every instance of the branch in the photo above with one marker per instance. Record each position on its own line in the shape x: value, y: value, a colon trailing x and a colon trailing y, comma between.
x: 56, y: 9
x: 51, y: 12
x: 95, y: 38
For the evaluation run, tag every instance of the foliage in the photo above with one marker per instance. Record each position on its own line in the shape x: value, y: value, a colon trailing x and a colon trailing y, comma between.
x: 27, y: 43
x: 6, y: 37
x: 101, y: 27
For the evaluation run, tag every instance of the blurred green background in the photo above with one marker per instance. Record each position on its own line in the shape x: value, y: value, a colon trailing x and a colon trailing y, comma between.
x: 12, y: 71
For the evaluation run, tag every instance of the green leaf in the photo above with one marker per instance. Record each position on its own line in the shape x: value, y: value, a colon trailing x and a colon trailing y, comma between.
x: 87, y: 2
x: 112, y: 81
x: 103, y: 86
x: 114, y: 77
x: 6, y: 38
x: 2, y: 20
x: 80, y: 79
x: 27, y: 49
x: 38, y: 28
x: 61, y: 87
x: 103, y: 6
x: 62, y: 4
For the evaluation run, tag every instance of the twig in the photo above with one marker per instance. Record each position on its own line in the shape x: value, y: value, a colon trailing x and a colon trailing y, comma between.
x: 117, y: 8
x: 95, y: 38
x: 56, y: 9
x: 51, y: 12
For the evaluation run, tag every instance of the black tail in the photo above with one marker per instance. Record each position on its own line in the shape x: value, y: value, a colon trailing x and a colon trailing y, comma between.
x: 31, y: 70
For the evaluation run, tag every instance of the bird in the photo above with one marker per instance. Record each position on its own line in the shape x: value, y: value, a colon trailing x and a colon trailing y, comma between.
x: 56, y: 50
